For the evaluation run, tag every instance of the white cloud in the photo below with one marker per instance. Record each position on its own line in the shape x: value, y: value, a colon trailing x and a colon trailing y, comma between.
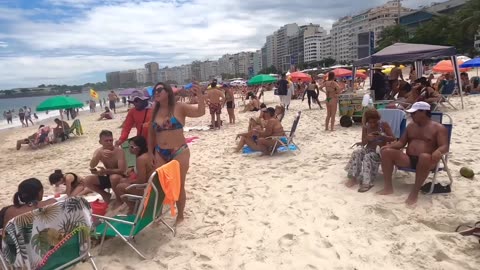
x: 107, y: 35
x: 3, y: 44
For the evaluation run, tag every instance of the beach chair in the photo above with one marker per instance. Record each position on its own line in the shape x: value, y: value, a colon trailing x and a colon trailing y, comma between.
x: 76, y: 128
x: 447, y: 91
x: 285, y: 143
x: 128, y: 226
x: 54, y: 237
x: 443, y: 163
x: 396, y: 119
x: 129, y: 157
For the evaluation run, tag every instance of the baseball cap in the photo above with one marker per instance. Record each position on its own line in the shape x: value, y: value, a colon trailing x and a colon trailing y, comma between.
x: 137, y: 94
x: 419, y: 106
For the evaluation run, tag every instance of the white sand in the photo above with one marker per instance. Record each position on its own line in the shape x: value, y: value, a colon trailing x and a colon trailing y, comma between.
x: 287, y: 211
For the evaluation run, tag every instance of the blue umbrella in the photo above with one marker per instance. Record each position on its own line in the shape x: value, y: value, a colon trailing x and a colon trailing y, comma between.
x: 150, y: 90
x: 471, y: 63
x: 475, y: 62
x: 188, y: 86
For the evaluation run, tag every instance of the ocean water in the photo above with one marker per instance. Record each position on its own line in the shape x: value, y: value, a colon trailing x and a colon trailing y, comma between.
x: 33, y: 102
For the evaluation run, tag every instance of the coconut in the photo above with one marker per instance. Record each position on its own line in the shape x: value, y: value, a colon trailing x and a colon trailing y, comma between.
x: 467, y: 172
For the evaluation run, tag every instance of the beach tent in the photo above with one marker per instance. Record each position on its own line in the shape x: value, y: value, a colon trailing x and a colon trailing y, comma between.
x: 402, y: 52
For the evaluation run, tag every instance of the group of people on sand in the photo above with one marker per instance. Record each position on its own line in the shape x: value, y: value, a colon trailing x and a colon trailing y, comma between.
x: 426, y: 141
x: 160, y: 139
x: 46, y: 134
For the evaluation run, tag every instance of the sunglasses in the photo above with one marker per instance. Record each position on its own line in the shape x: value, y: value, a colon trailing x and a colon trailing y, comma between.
x: 159, y: 89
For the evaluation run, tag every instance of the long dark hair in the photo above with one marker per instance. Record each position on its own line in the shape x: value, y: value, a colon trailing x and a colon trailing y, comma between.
x: 171, y: 99
x: 55, y: 177
x: 141, y: 143
x: 331, y: 76
x: 28, y: 192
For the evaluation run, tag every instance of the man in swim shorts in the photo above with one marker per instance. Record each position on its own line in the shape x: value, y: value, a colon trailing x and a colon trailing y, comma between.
x: 115, y: 166
x: 215, y: 101
x: 426, y: 142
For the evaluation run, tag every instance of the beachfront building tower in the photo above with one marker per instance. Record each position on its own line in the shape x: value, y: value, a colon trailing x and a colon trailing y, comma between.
x: 152, y: 72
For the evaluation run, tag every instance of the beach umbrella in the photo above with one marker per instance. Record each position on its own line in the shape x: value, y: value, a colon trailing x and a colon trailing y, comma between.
x: 474, y: 63
x: 304, y: 77
x: 342, y: 72
x: 149, y: 91
x: 59, y: 103
x: 188, y: 86
x: 446, y: 66
x: 464, y: 58
x: 261, y: 79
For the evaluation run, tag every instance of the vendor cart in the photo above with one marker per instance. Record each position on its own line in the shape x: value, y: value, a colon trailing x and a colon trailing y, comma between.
x: 350, y: 108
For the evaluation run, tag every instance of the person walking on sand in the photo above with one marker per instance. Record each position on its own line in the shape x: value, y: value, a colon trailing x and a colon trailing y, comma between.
x: 230, y: 101
x: 426, y: 142
x: 332, y: 90
x: 215, y: 101
x: 166, y: 140
x: 112, y: 98
x: 312, y: 92
x: 109, y: 176
x: 282, y: 90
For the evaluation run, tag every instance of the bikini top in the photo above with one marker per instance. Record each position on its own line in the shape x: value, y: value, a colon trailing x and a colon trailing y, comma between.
x: 170, y: 124
x: 75, y: 180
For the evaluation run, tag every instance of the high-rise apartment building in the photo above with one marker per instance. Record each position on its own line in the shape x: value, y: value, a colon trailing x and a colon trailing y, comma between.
x: 271, y: 51
x: 128, y: 78
x: 283, y: 37
x: 152, y: 72
x: 141, y: 75
x: 113, y: 79
x: 312, y: 43
x: 257, y: 61
x: 341, y: 37
x: 326, y: 47
x: 208, y: 70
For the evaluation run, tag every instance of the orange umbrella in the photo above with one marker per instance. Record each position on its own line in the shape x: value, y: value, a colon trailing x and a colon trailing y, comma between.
x: 304, y: 77
x: 446, y: 66
x: 342, y: 72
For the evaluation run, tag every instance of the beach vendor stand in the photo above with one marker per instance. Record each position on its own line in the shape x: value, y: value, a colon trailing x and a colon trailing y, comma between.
x: 350, y: 108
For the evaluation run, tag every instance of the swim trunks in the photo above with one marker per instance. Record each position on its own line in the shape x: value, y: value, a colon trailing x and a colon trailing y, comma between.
x: 215, y: 108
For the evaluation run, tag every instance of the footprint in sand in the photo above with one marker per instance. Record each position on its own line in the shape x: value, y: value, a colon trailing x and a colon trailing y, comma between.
x: 382, y: 212
x: 287, y: 240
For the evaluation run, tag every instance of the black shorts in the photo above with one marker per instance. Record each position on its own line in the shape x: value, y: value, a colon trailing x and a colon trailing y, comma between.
x: 230, y: 105
x: 112, y: 104
x: 21, y: 116
x: 104, y: 181
x: 413, y: 161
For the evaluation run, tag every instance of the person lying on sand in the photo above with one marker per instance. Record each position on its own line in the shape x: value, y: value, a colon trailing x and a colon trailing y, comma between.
x: 364, y: 162
x: 113, y: 158
x: 258, y: 139
x: 426, y: 142
x: 74, y: 184
x: 107, y: 114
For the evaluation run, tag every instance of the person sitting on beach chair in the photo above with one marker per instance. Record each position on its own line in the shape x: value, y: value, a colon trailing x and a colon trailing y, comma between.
x: 364, y: 162
x: 253, y: 105
x: 36, y: 139
x: 138, y: 175
x: 28, y: 197
x: 60, y: 131
x: 258, y: 139
x: 113, y: 158
x: 107, y: 114
x: 257, y: 122
x: 76, y: 128
x: 426, y: 141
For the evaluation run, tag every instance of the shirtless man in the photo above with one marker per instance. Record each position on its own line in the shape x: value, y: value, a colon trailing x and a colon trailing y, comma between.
x: 113, y: 158
x: 258, y: 139
x: 112, y: 98
x: 426, y: 142
x: 395, y: 74
x: 215, y: 101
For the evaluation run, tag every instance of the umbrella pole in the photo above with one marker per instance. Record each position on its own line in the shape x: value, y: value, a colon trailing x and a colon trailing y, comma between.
x: 61, y: 119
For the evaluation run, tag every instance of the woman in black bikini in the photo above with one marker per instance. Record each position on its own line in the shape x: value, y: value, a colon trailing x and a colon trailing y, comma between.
x: 73, y: 183
x: 166, y: 140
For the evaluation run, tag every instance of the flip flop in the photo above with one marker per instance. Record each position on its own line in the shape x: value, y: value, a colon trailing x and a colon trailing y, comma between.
x: 470, y: 230
x: 364, y: 188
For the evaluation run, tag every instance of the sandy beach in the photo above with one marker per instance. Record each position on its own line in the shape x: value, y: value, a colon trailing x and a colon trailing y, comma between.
x: 282, y: 212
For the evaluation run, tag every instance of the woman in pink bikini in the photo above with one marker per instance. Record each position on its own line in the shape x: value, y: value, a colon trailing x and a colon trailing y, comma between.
x: 166, y: 139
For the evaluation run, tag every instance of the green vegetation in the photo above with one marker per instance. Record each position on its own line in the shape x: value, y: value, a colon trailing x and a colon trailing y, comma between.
x: 51, y: 89
x: 456, y: 30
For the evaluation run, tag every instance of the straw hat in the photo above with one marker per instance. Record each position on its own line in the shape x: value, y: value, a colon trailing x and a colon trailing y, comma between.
x: 378, y: 66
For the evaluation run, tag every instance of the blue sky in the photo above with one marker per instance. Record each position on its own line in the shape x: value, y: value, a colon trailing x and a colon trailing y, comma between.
x: 77, y: 41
